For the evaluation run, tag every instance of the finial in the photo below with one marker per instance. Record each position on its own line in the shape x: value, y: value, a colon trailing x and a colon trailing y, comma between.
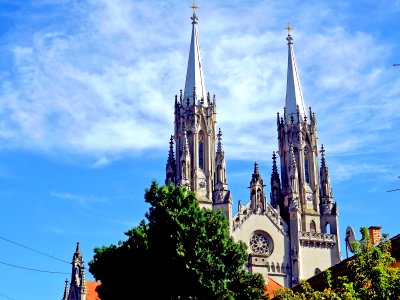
x: 256, y: 171
x: 274, y: 168
x: 194, y: 7
x: 289, y: 29
x: 171, y: 141
x: 322, y: 150
x: 194, y: 18
x: 289, y: 38
x: 219, y: 135
x: 78, y: 248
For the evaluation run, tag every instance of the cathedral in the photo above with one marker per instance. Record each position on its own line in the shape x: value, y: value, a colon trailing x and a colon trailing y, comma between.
x: 292, y: 232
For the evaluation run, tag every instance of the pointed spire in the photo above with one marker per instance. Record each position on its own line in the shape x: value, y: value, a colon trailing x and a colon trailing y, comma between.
x: 171, y: 163
x: 256, y: 173
x: 274, y: 167
x: 171, y: 149
x: 294, y: 97
x: 220, y: 176
x: 66, y: 290
x: 323, y: 161
x: 194, y: 74
x: 77, y: 254
x: 257, y: 197
x: 78, y: 248
x: 275, y: 184
x: 219, y: 145
x: 326, y: 189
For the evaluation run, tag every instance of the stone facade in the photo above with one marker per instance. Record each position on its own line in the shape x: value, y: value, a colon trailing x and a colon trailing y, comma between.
x: 294, y: 235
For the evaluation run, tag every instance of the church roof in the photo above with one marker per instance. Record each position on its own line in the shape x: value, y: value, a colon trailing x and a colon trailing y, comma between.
x: 194, y: 74
x: 294, y: 95
x: 272, y: 286
x: 91, y: 290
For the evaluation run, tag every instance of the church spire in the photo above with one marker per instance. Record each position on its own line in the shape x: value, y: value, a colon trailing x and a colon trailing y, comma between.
x: 185, y: 161
x: 66, y: 290
x: 257, y: 197
x: 275, y: 184
x: 220, y: 163
x: 326, y: 190
x: 221, y: 193
x: 171, y: 163
x: 294, y: 104
x: 77, y: 288
x: 195, y: 89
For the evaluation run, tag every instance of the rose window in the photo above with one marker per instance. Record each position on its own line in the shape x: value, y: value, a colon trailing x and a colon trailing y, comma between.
x: 261, y: 243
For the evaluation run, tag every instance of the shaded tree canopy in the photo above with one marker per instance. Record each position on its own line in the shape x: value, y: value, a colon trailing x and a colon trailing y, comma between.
x: 370, y: 276
x: 180, y: 252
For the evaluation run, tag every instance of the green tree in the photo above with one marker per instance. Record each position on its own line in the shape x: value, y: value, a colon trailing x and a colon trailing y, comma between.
x: 370, y: 276
x: 181, y: 252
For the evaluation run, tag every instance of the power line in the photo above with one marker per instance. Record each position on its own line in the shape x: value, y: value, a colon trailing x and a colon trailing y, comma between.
x: 32, y: 269
x: 29, y: 248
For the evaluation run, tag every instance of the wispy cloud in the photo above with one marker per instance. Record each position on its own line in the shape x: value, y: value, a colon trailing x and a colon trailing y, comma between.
x: 84, y: 201
x: 101, y: 81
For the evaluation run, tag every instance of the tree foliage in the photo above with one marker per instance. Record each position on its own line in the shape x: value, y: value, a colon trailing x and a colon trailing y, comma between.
x: 180, y: 252
x: 370, y: 276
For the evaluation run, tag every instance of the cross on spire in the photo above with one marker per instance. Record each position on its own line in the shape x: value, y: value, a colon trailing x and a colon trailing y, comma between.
x: 194, y: 7
x: 289, y: 29
x: 322, y: 150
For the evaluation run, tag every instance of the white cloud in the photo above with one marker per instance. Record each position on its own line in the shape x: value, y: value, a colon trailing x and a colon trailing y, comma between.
x: 83, y: 201
x: 104, y: 87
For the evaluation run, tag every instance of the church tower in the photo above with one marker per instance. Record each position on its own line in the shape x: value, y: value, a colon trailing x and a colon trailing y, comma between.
x: 294, y: 235
x: 77, y: 289
x: 305, y: 200
x: 196, y: 163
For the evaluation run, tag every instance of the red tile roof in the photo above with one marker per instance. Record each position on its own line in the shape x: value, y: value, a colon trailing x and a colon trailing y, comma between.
x: 272, y: 286
x: 92, y: 294
x: 91, y: 290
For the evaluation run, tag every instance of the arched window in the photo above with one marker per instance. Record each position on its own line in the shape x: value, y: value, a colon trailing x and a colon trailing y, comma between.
x: 328, y: 228
x: 306, y: 169
x: 313, y: 228
x: 295, y: 269
x: 201, y: 150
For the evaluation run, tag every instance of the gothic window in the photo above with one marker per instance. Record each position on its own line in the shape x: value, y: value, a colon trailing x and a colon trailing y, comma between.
x: 313, y: 228
x: 328, y: 228
x: 261, y: 243
x: 306, y: 166
x: 201, y: 150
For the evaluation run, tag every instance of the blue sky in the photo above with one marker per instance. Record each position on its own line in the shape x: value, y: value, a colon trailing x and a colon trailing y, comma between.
x: 86, y: 110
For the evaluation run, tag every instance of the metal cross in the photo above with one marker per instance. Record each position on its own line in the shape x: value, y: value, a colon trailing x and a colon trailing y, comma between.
x: 194, y: 7
x: 289, y: 28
